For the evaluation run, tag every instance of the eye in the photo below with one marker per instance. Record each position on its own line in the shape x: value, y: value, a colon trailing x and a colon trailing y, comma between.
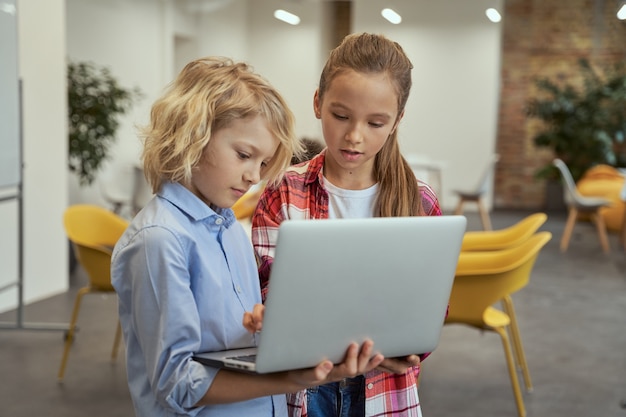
x: 339, y: 117
x: 377, y: 125
x: 243, y: 155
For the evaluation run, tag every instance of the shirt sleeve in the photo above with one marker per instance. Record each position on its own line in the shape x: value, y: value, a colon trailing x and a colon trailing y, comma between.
x: 265, y: 222
x: 430, y: 202
x: 164, y: 319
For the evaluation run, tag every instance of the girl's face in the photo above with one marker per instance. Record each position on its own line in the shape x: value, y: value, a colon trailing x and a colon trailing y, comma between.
x: 358, y: 113
x: 233, y: 161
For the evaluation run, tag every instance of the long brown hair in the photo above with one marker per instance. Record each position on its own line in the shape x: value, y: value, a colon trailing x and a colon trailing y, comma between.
x: 398, y: 193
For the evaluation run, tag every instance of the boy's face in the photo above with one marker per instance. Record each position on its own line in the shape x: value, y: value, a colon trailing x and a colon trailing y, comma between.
x: 233, y: 161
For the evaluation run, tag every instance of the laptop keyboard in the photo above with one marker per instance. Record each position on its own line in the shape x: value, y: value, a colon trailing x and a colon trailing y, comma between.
x: 245, y: 358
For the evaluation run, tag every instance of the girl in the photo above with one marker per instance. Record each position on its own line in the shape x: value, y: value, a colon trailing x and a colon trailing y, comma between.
x: 360, y: 101
x: 184, y: 270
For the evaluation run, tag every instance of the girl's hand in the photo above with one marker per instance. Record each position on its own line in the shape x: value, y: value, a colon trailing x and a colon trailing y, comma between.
x: 356, y: 362
x: 253, y: 321
x: 399, y: 365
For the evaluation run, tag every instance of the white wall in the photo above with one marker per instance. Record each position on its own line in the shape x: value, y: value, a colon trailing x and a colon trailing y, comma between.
x: 290, y: 57
x: 41, y: 61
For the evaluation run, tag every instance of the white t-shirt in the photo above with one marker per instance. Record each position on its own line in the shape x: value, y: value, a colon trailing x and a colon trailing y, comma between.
x: 345, y: 204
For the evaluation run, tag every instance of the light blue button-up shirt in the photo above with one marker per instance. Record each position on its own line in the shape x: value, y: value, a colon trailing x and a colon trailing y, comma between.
x: 184, y: 275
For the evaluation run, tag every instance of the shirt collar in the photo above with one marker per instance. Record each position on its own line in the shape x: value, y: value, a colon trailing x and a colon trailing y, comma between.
x: 314, y: 169
x: 192, y: 206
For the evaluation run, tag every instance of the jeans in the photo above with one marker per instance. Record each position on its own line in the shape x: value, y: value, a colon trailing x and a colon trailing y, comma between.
x: 338, y: 399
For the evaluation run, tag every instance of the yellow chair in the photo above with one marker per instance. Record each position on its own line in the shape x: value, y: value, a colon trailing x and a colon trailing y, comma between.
x: 499, y: 239
x: 93, y: 231
x: 606, y: 182
x: 485, y: 278
x: 502, y: 239
x: 245, y: 206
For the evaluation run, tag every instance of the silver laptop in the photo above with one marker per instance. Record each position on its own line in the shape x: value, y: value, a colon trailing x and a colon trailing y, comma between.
x: 339, y: 281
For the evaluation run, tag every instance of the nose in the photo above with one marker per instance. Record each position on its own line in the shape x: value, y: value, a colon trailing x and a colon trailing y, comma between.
x: 252, y: 175
x: 354, y: 134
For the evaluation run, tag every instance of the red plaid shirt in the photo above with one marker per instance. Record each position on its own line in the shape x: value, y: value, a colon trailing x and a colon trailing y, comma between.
x: 301, y: 195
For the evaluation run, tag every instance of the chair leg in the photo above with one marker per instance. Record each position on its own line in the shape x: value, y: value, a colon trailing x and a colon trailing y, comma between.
x: 484, y: 215
x: 518, y: 348
x: 569, y: 227
x: 601, y: 227
x: 517, y: 392
x: 459, y: 207
x: 116, y: 341
x: 623, y: 231
x: 622, y: 234
x: 69, y: 338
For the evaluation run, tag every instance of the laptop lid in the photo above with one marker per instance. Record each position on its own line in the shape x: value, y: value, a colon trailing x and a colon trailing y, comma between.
x: 338, y: 281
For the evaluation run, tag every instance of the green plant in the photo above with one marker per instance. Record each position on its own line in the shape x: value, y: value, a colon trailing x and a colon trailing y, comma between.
x: 95, y: 101
x: 583, y: 125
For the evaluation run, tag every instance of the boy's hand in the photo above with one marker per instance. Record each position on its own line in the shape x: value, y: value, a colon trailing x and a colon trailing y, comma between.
x: 253, y: 321
x: 356, y: 362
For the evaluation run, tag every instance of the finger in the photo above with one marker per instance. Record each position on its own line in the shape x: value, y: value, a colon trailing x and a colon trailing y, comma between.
x: 258, y: 313
x: 413, y: 360
x: 321, y: 371
x: 248, y: 322
x: 348, y: 367
x: 376, y: 360
x: 365, y: 355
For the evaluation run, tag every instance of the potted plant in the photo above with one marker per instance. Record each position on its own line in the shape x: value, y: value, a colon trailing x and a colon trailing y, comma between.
x: 95, y: 102
x: 583, y: 125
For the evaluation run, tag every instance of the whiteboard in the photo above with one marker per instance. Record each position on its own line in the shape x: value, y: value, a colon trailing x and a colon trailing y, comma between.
x: 9, y: 97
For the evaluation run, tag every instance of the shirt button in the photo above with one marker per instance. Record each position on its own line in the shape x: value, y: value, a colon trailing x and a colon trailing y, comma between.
x: 370, y: 386
x: 238, y: 288
x: 219, y: 220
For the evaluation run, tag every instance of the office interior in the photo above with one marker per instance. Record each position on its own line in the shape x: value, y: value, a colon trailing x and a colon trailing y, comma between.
x: 453, y: 122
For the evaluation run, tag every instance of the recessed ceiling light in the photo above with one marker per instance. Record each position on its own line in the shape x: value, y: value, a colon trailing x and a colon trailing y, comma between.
x: 493, y: 15
x: 286, y: 17
x: 391, y: 16
x: 621, y: 13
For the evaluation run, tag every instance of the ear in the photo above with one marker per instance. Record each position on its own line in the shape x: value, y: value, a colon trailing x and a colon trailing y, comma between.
x: 395, y: 125
x: 317, y: 108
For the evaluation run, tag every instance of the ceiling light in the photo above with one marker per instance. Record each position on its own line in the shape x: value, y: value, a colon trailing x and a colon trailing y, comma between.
x: 621, y: 13
x: 286, y: 17
x: 493, y: 15
x: 391, y: 15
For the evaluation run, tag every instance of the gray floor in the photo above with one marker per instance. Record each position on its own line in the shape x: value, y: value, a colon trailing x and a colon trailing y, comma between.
x: 572, y: 318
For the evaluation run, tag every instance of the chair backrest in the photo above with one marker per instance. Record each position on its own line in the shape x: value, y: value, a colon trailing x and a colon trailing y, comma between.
x: 484, y: 278
x: 92, y: 225
x: 487, y: 175
x: 503, y: 238
x: 570, y: 192
x: 244, y: 207
x: 97, y: 263
x: 93, y: 231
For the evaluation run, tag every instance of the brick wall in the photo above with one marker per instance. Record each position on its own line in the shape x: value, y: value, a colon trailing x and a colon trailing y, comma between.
x: 544, y: 38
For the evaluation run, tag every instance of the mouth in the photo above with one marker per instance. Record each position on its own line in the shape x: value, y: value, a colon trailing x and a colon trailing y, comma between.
x: 239, y: 192
x: 350, y: 154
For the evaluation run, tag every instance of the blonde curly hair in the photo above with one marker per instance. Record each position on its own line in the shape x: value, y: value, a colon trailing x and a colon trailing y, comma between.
x: 209, y: 94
